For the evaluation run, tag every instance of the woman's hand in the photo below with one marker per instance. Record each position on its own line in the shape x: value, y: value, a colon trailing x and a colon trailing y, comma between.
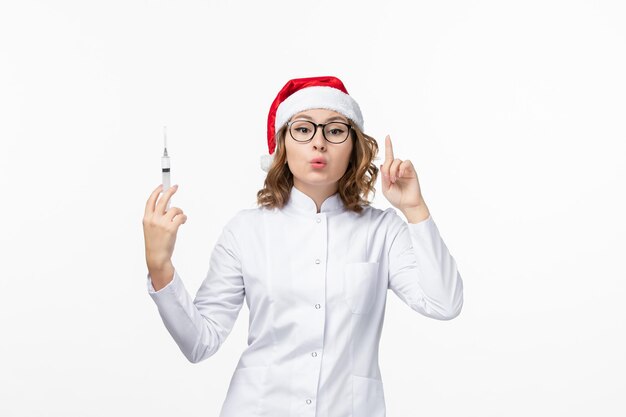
x: 160, y: 227
x: 400, y: 184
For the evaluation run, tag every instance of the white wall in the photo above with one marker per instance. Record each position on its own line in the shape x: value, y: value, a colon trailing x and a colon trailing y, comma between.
x: 511, y: 112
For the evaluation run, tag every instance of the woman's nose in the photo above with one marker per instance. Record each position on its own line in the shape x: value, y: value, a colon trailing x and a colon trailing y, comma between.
x: 318, y: 141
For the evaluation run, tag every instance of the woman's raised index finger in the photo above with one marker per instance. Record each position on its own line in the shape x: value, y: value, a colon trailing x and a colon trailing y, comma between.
x: 152, y: 199
x: 388, y: 149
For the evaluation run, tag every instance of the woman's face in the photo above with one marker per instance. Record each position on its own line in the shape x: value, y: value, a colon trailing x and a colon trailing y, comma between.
x: 300, y: 155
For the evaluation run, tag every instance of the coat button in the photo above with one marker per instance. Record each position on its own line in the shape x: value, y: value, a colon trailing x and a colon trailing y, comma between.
x: 314, y: 354
x: 317, y: 261
x: 318, y: 220
x: 308, y: 401
x: 318, y: 306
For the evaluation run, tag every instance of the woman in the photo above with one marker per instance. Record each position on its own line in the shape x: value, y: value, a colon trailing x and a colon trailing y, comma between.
x: 313, y: 263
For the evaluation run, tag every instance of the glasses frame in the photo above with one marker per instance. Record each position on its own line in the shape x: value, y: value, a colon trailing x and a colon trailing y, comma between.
x: 316, y: 125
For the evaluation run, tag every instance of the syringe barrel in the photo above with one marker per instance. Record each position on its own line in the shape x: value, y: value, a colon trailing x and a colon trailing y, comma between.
x: 166, y: 186
x: 166, y: 181
x: 165, y: 170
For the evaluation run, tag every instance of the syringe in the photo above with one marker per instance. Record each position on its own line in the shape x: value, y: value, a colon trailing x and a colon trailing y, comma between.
x: 165, y: 165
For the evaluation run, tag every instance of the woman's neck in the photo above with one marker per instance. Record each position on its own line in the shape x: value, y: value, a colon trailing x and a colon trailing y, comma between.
x: 319, y: 193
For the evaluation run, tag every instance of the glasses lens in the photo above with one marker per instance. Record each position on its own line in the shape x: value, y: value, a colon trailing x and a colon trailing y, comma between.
x: 336, y: 132
x: 301, y: 130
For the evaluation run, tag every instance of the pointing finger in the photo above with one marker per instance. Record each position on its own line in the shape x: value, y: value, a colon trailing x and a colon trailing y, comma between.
x: 388, y: 149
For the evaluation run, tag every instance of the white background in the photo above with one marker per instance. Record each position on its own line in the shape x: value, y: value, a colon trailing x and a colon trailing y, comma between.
x: 512, y: 113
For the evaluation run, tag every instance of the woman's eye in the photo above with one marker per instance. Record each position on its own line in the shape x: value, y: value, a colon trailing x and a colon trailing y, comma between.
x: 302, y: 129
x: 336, y: 131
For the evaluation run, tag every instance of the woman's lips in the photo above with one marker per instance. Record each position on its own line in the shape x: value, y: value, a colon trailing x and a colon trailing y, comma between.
x: 318, y: 162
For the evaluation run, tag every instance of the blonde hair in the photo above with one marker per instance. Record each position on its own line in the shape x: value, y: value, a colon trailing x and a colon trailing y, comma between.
x: 354, y: 186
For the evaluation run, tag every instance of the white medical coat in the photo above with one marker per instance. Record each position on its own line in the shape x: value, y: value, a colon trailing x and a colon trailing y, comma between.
x: 315, y: 285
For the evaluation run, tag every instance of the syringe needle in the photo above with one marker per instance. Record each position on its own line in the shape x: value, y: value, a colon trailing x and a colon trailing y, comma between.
x: 164, y: 140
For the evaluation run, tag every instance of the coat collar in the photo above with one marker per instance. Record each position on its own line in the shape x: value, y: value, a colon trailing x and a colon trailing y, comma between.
x: 301, y: 203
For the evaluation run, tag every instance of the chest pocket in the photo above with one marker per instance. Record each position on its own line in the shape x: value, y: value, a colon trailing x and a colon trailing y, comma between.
x: 360, y: 283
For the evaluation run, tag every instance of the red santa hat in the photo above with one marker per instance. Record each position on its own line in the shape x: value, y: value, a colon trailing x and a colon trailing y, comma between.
x: 302, y: 94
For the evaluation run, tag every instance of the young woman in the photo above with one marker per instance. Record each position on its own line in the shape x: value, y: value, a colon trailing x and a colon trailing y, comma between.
x: 313, y: 263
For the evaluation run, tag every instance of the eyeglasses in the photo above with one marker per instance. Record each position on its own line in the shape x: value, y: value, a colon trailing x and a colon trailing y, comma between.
x: 304, y: 130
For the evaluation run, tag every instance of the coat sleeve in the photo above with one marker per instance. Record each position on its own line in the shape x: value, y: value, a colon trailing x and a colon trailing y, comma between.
x: 422, y: 273
x: 200, y: 326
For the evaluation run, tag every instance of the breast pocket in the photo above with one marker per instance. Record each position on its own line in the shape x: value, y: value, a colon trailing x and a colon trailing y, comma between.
x: 360, y: 281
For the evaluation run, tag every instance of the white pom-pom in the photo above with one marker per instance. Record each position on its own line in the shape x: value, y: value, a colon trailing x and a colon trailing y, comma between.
x: 266, y: 162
